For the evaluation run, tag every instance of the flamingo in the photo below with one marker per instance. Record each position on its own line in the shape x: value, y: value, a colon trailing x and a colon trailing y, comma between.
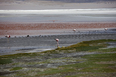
x: 105, y: 29
x: 8, y: 36
x: 74, y: 30
x: 57, y: 40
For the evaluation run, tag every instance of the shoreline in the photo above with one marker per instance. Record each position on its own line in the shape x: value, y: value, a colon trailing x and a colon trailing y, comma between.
x: 40, y: 42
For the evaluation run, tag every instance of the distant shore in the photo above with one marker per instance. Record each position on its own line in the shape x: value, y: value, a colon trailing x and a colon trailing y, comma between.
x: 38, y: 5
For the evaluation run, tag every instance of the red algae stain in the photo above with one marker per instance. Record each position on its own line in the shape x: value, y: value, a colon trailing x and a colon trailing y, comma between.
x: 35, y: 28
x: 45, y: 26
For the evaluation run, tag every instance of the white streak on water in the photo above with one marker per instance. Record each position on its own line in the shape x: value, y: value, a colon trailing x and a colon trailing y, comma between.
x: 61, y: 11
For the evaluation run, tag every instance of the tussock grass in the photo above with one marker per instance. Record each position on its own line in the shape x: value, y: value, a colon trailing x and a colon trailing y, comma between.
x: 89, y: 67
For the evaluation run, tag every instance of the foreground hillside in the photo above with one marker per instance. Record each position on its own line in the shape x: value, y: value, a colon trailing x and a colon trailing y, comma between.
x: 86, y: 59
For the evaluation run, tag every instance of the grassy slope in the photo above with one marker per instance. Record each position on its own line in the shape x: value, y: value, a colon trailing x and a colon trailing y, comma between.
x: 33, y: 64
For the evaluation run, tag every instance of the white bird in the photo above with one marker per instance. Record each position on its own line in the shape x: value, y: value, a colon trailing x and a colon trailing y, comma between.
x: 74, y: 30
x: 105, y: 29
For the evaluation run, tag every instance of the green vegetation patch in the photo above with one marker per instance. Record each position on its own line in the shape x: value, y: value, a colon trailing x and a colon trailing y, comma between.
x: 104, y: 50
x: 19, y: 55
x: 5, y: 61
x: 82, y: 46
x: 88, y: 45
x: 16, y: 68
